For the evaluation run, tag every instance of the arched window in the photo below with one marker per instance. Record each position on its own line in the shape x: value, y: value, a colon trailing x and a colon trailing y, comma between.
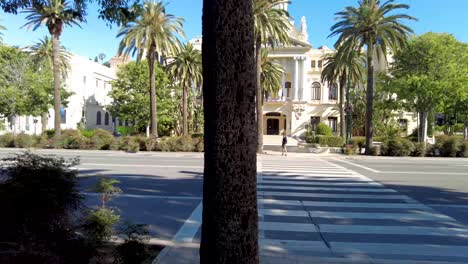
x: 316, y: 91
x: 98, y: 118
x: 333, y: 92
x: 106, y: 119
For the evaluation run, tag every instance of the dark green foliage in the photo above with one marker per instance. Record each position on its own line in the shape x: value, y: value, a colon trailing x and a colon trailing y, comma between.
x: 360, y: 142
x: 70, y: 139
x: 134, y: 249
x: 419, y: 150
x: 88, y: 133
x: 330, y: 141
x: 451, y: 147
x: 106, y: 187
x: 98, y: 225
x: 152, y: 144
x: 397, y: 147
x: 7, y: 140
x: 181, y: 144
x: 323, y: 129
x: 49, y: 133
x: 38, y: 197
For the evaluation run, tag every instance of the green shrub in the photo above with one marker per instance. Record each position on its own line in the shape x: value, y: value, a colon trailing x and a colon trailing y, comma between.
x: 141, y: 141
x: 7, y: 140
x: 88, y: 133
x: 451, y: 147
x: 152, y: 144
x: 323, y: 129
x: 464, y: 149
x: 360, y: 142
x: 419, y: 150
x: 69, y: 139
x: 102, y: 139
x: 330, y: 141
x: 129, y: 144
x: 23, y: 140
x: 98, y: 225
x: 198, y: 144
x: 397, y: 147
x: 168, y: 144
x: 350, y: 149
x: 50, y: 133
x: 184, y: 144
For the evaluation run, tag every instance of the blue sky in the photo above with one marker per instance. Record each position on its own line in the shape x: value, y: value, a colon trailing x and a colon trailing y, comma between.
x: 95, y: 37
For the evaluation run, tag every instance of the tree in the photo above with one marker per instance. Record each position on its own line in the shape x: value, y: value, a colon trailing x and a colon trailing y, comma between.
x: 130, y: 99
x: 42, y: 58
x: 55, y: 14
x: 1, y: 28
x: 230, y: 220
x: 271, y: 27
x: 372, y: 26
x: 343, y: 68
x: 431, y: 74
x: 186, y: 69
x: 153, y: 31
x: 271, y: 76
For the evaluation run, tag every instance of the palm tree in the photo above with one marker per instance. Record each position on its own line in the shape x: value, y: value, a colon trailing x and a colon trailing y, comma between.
x: 338, y: 69
x: 187, y: 70
x: 372, y: 26
x: 42, y: 56
x: 272, y: 26
x: 55, y: 14
x: 152, y: 32
x: 271, y: 76
x: 230, y: 218
x: 1, y: 28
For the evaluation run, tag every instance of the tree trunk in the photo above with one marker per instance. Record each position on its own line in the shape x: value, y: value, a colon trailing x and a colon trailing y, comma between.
x: 184, y: 112
x: 423, y: 127
x: 465, y: 128
x: 230, y: 220
x: 57, y: 83
x: 369, y: 96
x: 342, y: 105
x: 259, y: 94
x: 44, y: 121
x: 153, y: 103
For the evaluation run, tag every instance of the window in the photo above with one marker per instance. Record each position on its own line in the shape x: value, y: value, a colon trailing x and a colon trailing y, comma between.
x: 113, y: 120
x: 314, y: 121
x: 98, y: 118
x: 403, y: 123
x: 333, y: 92
x: 63, y: 115
x: 287, y: 85
x: 312, y: 64
x: 316, y: 87
x: 120, y: 122
x: 106, y: 119
x: 320, y: 63
x: 333, y: 123
x: 27, y: 123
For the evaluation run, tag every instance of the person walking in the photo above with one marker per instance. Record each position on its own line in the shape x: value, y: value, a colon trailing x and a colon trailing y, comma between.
x: 284, y: 150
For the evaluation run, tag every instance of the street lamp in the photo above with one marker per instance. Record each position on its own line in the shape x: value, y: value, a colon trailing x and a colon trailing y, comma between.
x: 348, y: 114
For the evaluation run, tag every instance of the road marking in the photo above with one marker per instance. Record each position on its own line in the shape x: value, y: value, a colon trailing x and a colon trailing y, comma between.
x: 293, y: 227
x: 334, y: 195
x: 394, y: 230
x: 325, y: 189
x: 278, y: 245
x: 449, y: 206
x: 367, y: 205
x: 424, y: 172
x: 421, y: 215
x: 190, y: 228
x: 400, y: 249
x: 140, y: 165
x: 323, y: 178
x: 149, y: 196
x: 312, y: 183
x: 280, y: 212
x: 357, y: 165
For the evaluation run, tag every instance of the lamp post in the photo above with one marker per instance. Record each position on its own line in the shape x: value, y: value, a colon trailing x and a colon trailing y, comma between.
x: 348, y: 114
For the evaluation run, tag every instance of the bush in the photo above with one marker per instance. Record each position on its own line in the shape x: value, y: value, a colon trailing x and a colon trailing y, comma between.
x: 38, y: 198
x: 419, y: 150
x: 88, y: 133
x: 199, y: 145
x: 464, y: 149
x: 152, y: 144
x: 141, y: 141
x: 323, y: 129
x: 350, y: 149
x: 168, y: 144
x: 7, y: 140
x: 102, y: 139
x: 330, y: 141
x: 24, y: 141
x: 50, y: 133
x: 397, y: 147
x: 134, y: 249
x: 451, y: 147
x: 98, y: 225
x: 360, y: 142
x: 69, y: 139
x: 376, y: 150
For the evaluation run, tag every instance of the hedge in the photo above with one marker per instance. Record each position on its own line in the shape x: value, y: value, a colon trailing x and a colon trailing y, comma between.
x: 397, y: 147
x: 330, y: 141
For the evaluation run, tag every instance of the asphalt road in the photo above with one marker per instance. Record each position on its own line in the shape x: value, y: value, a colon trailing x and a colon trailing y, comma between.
x: 163, y: 189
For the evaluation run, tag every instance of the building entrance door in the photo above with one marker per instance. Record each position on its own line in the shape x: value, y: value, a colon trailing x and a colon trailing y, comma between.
x: 272, y: 126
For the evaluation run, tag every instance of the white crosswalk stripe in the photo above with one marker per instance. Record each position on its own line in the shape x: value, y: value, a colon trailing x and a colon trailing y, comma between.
x: 321, y: 209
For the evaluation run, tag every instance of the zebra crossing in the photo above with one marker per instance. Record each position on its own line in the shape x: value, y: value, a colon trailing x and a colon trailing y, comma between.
x: 315, y: 209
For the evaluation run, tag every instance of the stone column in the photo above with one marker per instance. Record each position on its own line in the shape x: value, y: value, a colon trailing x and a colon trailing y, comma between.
x: 284, y: 92
x: 303, y: 78
x: 296, y: 78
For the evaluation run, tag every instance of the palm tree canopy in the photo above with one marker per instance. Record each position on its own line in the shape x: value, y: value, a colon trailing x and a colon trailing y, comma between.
x: 187, y: 66
x: 271, y: 75
x: 153, y: 30
x: 339, y: 64
x: 272, y: 23
x: 54, y: 14
x: 372, y: 23
x: 42, y: 54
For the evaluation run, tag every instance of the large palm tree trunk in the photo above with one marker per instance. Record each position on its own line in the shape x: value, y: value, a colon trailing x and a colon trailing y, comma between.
x: 57, y: 84
x: 185, y: 112
x: 259, y: 95
x: 369, y: 96
x: 153, y: 103
x: 342, y: 105
x: 230, y: 220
